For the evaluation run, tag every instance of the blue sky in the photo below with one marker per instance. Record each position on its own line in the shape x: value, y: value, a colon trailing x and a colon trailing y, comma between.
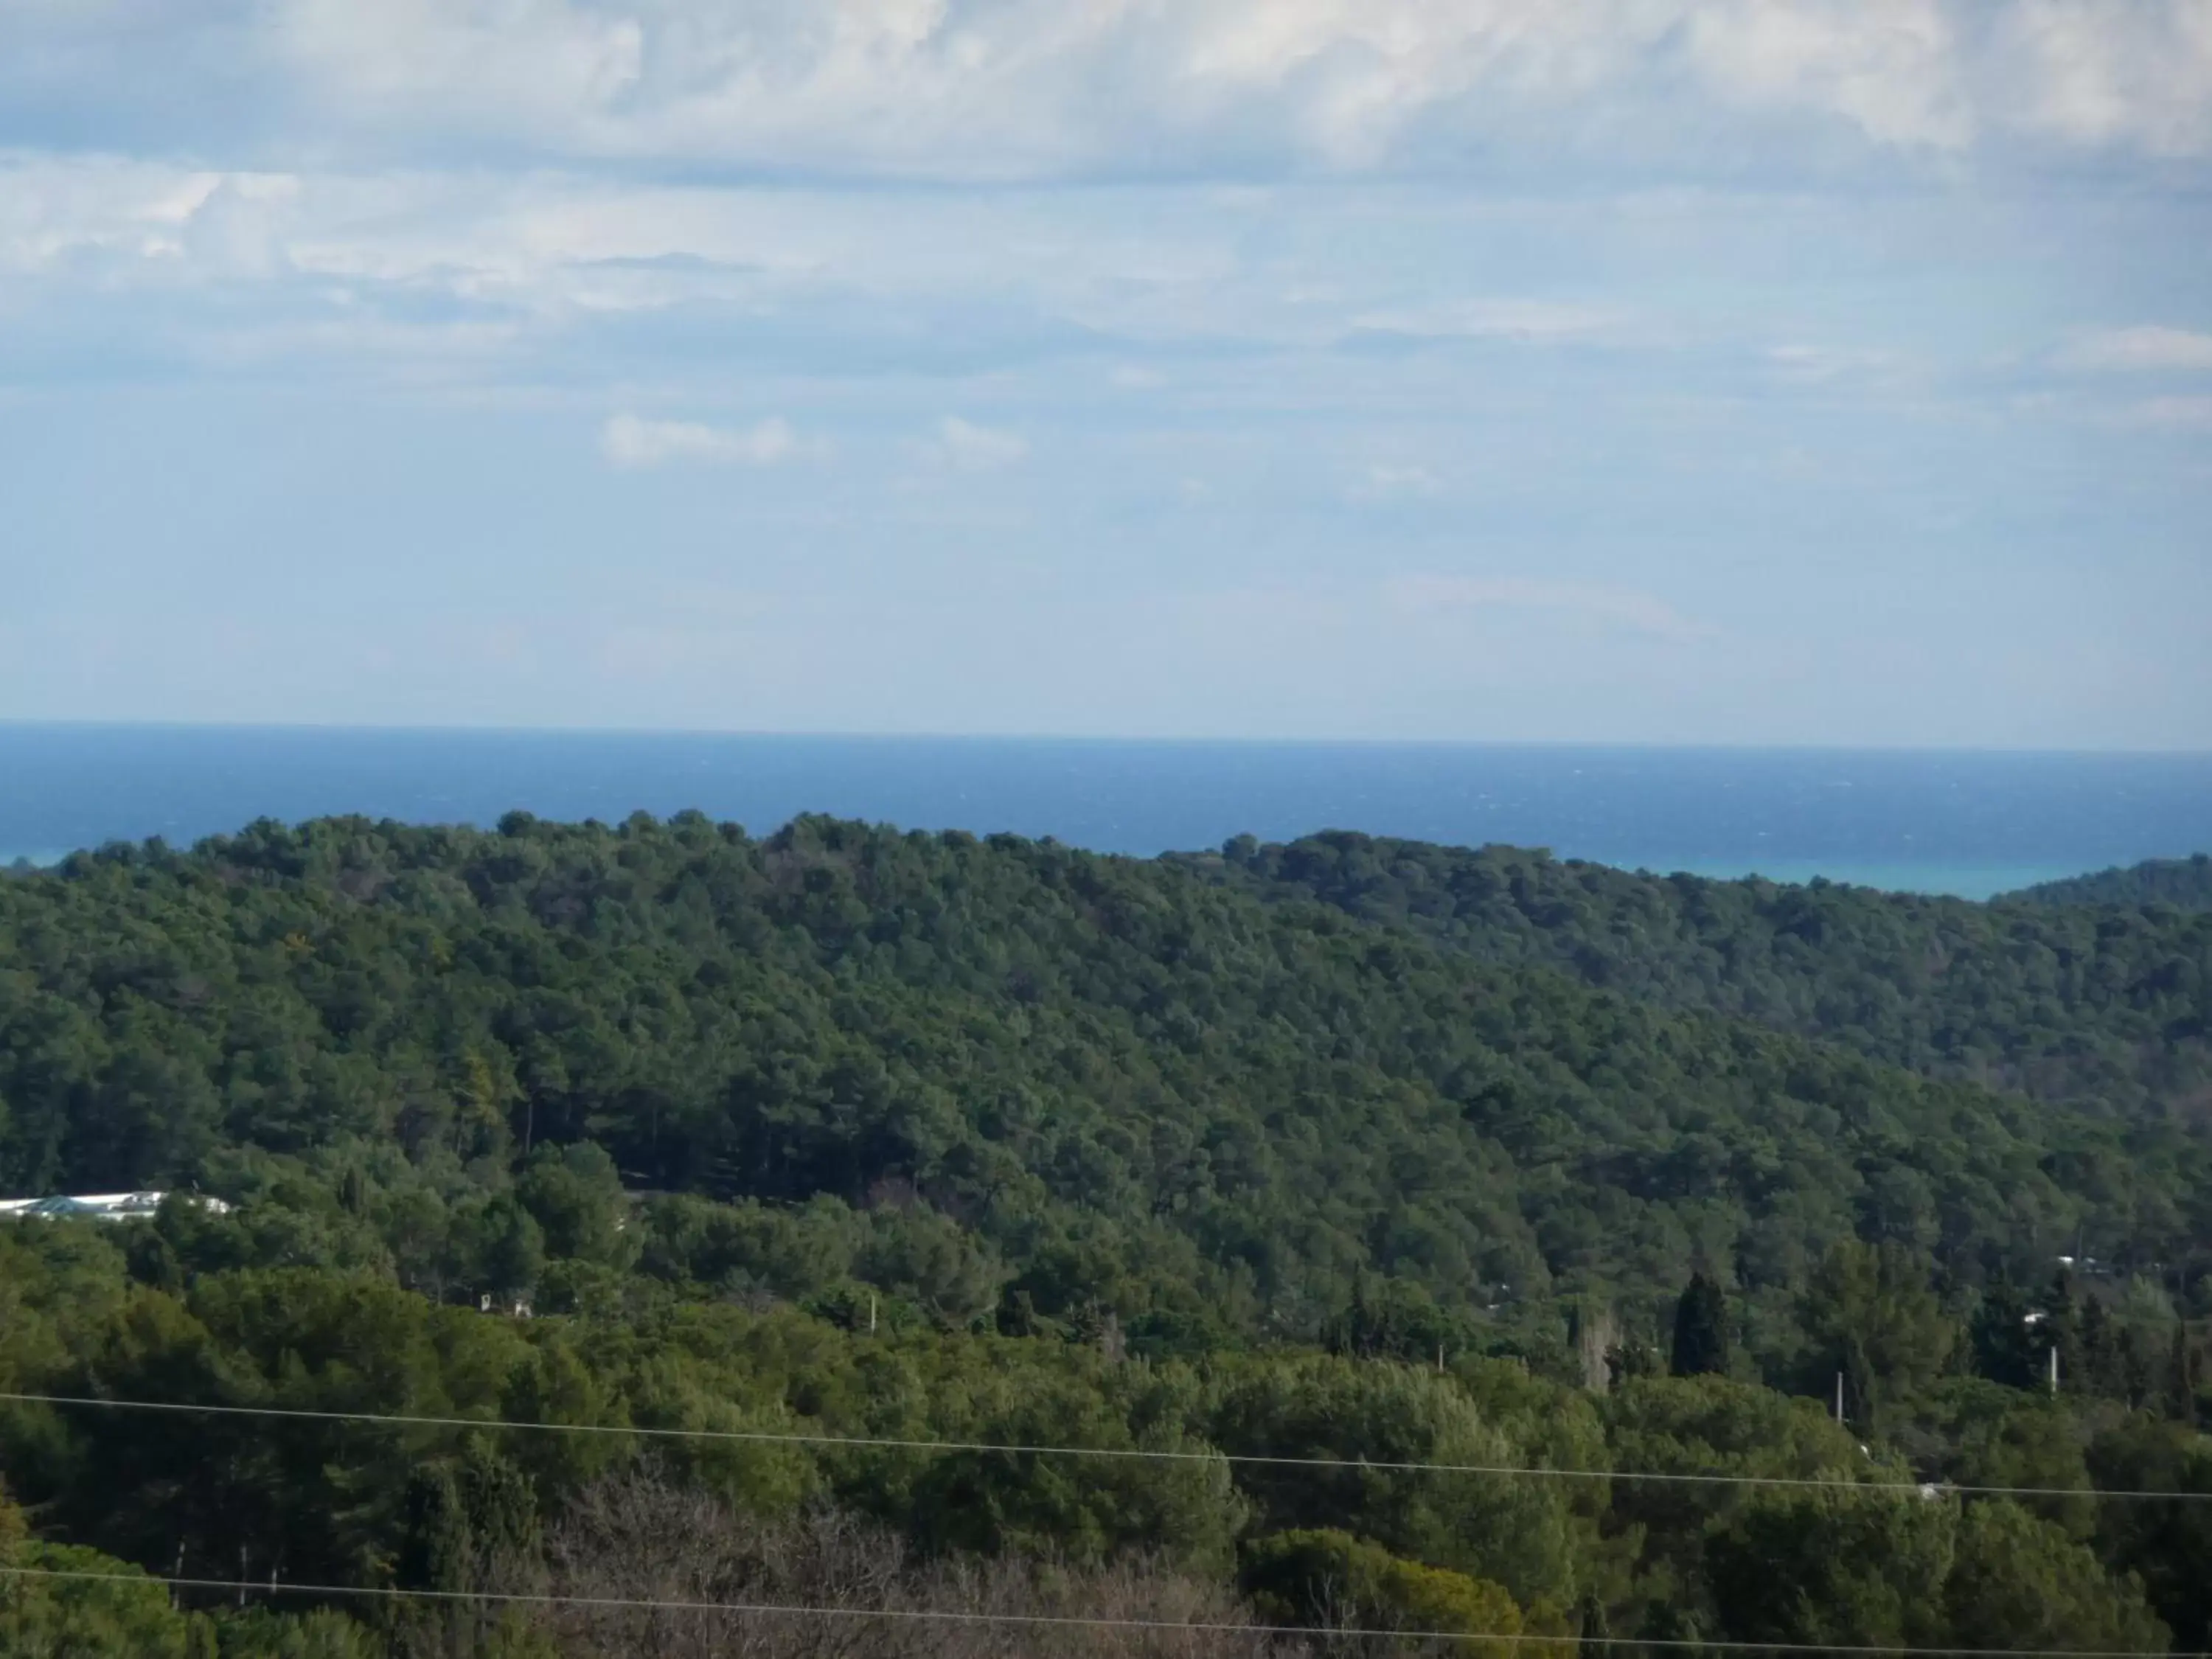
x: 1633, y: 370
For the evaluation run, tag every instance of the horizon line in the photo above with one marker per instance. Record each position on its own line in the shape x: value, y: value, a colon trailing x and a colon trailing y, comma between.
x: 1101, y: 740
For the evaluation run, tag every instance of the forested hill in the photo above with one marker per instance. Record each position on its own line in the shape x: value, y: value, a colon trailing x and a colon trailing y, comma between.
x: 2102, y: 1007
x: 1120, y: 1079
x: 2184, y: 884
x: 832, y: 1160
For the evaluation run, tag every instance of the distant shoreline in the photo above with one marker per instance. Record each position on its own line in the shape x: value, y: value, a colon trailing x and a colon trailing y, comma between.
x: 1973, y: 882
x: 1966, y: 823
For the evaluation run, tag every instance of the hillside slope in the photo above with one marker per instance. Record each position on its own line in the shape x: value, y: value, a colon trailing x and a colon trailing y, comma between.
x: 1110, y: 1071
x: 2182, y: 884
x: 2105, y: 1009
x: 1020, y: 1147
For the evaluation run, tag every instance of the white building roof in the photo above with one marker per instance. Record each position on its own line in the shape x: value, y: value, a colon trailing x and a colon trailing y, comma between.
x: 102, y: 1206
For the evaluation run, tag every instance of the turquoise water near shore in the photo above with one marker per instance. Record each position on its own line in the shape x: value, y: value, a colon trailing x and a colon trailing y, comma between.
x: 1957, y: 880
x: 1959, y: 823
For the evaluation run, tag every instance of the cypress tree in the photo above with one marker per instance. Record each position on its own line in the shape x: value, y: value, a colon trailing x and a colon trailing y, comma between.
x: 1701, y: 1342
x: 2099, y: 1371
x: 435, y: 1552
x: 2180, y: 1377
x: 1590, y: 1617
x: 2004, y: 1343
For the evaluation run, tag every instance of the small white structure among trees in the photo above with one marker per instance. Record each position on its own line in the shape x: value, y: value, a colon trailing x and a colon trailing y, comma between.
x: 101, y: 1206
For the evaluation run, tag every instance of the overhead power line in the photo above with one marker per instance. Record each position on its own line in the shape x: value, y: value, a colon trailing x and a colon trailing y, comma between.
x: 1050, y: 1620
x: 807, y: 1437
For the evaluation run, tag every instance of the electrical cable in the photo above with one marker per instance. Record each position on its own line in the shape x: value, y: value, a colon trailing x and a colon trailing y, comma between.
x: 1393, y: 1466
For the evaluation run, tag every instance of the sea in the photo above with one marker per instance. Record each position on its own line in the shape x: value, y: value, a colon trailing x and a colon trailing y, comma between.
x: 1969, y: 824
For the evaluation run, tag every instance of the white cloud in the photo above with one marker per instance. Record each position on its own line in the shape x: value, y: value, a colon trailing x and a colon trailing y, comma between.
x: 879, y: 278
x: 1822, y: 364
x: 968, y: 447
x: 629, y: 441
x: 1625, y: 607
x: 1383, y: 482
x: 2141, y: 349
x: 53, y: 210
x: 1890, y: 68
x: 1530, y: 321
x: 2192, y: 413
x: 972, y: 89
x: 2092, y: 73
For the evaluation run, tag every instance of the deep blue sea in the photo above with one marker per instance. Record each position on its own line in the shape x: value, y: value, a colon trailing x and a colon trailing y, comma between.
x: 1963, y: 823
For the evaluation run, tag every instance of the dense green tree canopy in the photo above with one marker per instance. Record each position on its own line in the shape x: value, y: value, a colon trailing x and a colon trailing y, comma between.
x: 2107, y: 1006
x: 1206, y: 1206
x: 1093, y: 1064
x: 2181, y: 884
x: 1701, y: 1329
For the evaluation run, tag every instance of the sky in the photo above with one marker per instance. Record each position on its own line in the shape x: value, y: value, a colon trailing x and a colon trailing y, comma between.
x: 1741, y: 371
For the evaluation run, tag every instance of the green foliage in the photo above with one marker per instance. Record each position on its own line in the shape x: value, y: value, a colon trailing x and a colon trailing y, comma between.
x: 64, y: 1602
x: 500, y: 1244
x: 927, y: 1259
x: 1354, y: 1419
x: 575, y: 1197
x: 324, y: 1633
x: 464, y: 1517
x: 449, y: 1508
x: 1869, y: 1314
x: 1108, y: 1087
x: 2184, y: 884
x: 1328, y: 1577
x: 2006, y: 1347
x: 871, y: 1137
x: 1701, y: 1333
x: 1978, y: 1434
x: 2018, y: 1582
x: 1881, y: 1566
x: 2098, y: 1005
x: 2166, y: 1543
x: 96, y: 1605
x: 1859, y: 1567
x: 1707, y: 1426
x: 793, y: 1252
